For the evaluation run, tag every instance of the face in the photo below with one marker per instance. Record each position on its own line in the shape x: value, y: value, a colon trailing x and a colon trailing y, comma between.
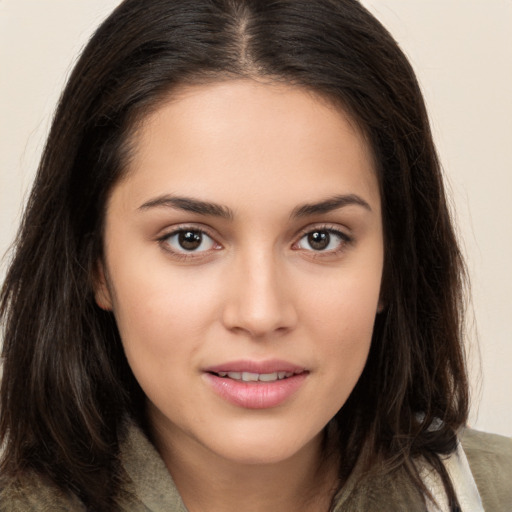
x: 243, y: 263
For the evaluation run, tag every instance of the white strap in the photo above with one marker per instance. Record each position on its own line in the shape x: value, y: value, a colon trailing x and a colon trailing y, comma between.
x: 463, y: 483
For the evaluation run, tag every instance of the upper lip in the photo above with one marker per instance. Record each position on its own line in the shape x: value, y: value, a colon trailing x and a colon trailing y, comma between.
x: 261, y: 367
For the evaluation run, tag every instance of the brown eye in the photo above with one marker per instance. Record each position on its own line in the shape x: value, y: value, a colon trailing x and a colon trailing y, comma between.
x: 323, y: 240
x: 319, y: 240
x: 189, y: 240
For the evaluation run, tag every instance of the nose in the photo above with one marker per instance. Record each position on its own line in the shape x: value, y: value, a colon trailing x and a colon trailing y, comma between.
x: 259, y: 304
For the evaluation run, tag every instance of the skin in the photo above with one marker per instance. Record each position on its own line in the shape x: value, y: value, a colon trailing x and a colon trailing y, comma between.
x: 255, y: 289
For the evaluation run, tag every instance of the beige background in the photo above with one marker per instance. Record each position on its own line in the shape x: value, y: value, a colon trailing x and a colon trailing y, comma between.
x: 462, y: 52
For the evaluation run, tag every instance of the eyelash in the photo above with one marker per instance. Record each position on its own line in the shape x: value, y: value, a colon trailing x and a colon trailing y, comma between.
x: 345, y: 239
x: 184, y: 255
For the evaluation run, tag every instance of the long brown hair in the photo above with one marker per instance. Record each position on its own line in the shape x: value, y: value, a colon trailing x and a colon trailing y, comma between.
x: 67, y: 386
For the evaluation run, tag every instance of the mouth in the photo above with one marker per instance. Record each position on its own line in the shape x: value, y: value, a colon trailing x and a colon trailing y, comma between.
x: 256, y: 385
x: 257, y: 377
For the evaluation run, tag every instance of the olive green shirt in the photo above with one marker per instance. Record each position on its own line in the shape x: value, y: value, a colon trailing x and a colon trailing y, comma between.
x: 151, y: 488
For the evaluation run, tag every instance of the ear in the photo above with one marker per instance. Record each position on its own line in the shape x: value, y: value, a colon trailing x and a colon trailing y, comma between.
x: 102, y: 294
x: 384, y: 296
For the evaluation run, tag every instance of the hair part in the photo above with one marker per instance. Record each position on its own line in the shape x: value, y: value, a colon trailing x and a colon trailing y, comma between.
x: 67, y: 386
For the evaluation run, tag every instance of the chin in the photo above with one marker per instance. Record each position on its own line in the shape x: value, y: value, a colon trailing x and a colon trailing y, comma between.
x: 260, y: 447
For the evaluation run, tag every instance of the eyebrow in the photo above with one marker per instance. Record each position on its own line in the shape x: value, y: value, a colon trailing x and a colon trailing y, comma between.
x: 189, y: 205
x: 333, y: 203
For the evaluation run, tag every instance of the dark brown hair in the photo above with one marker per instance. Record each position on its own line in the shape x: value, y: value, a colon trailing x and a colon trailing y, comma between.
x: 67, y: 386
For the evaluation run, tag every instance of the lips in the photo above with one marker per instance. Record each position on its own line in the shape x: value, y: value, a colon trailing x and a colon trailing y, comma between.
x: 260, y: 367
x: 255, y: 385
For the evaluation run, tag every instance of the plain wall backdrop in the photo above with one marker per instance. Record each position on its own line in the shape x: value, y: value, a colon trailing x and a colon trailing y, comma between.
x: 462, y: 54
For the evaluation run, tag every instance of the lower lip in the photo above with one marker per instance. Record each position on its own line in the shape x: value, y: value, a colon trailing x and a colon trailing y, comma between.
x: 255, y: 395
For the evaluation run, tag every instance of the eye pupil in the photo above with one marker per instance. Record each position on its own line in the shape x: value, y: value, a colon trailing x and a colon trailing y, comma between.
x: 190, y: 240
x: 319, y: 240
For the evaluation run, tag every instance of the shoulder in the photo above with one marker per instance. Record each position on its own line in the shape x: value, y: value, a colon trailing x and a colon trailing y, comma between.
x: 490, y: 460
x: 149, y: 483
x: 31, y: 494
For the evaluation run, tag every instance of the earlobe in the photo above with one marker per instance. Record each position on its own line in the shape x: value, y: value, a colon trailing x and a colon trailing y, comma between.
x: 384, y: 302
x: 102, y: 294
x: 381, y: 305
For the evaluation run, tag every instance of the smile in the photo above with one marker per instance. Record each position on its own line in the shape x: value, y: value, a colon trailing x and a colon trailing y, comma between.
x: 255, y: 377
x: 256, y: 385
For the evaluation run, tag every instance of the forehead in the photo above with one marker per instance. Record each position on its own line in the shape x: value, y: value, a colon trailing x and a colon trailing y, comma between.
x: 245, y: 135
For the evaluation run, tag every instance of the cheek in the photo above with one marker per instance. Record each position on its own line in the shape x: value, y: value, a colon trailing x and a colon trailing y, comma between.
x: 162, y: 315
x: 153, y: 295
x: 161, y: 334
x: 341, y: 320
x: 346, y: 345
x: 345, y: 304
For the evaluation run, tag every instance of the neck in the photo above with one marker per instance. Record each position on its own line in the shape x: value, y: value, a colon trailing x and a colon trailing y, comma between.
x: 305, y: 482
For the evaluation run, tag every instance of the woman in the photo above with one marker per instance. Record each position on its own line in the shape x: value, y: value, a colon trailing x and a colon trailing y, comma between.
x: 237, y: 255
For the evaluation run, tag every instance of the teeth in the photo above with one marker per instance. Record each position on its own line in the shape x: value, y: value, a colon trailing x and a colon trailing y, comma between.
x: 268, y: 377
x: 255, y: 377
x: 249, y: 377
